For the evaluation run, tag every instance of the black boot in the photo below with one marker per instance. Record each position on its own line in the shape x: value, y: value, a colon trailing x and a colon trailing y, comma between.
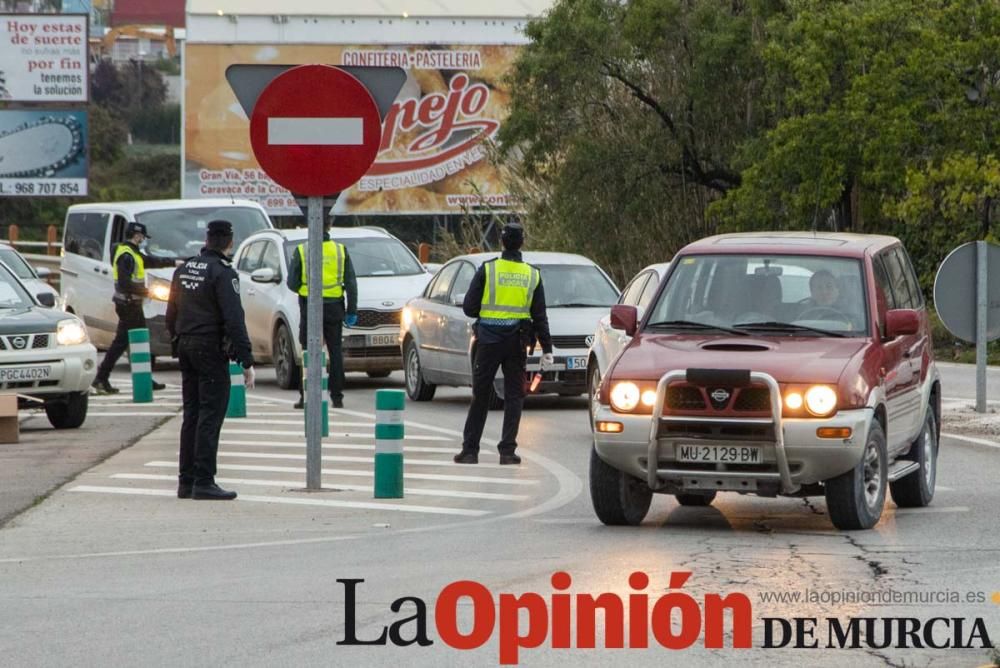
x: 103, y: 386
x: 467, y: 457
x: 301, y: 402
x: 158, y: 386
x: 510, y: 459
x: 211, y: 492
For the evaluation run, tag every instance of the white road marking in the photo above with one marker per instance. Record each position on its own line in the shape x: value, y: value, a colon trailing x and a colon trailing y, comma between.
x: 408, y: 461
x: 300, y: 423
x: 345, y: 131
x: 971, y: 439
x: 338, y: 446
x: 931, y: 509
x: 415, y: 491
x: 329, y: 503
x: 341, y: 434
x: 360, y: 474
x: 91, y: 414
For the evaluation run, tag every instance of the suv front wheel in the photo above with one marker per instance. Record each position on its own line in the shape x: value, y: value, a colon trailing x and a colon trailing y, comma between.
x: 68, y: 412
x: 855, y: 499
x: 618, y: 498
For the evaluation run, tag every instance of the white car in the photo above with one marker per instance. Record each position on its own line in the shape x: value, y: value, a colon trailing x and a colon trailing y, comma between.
x: 608, y: 341
x: 45, y: 355
x: 33, y: 279
x: 176, y: 229
x: 438, y: 343
x: 388, y: 275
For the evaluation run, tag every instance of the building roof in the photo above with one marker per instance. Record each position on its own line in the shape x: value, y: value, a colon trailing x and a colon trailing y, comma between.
x: 374, y: 8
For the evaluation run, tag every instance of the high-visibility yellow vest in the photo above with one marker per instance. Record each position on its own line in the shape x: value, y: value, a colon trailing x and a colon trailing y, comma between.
x: 333, y: 270
x: 509, y: 289
x: 139, y: 268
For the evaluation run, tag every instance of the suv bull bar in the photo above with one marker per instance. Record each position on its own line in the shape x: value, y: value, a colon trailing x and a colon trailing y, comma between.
x: 705, y: 377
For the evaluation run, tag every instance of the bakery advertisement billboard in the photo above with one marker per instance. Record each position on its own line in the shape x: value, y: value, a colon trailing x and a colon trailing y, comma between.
x: 431, y: 159
x: 43, y: 153
x: 43, y: 58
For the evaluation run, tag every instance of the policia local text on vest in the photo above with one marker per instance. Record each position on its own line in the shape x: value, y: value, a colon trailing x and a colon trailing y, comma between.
x: 339, y: 281
x: 508, y: 300
x: 128, y: 268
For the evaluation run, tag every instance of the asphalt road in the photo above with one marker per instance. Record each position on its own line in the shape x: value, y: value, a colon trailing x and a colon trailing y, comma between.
x: 113, y: 570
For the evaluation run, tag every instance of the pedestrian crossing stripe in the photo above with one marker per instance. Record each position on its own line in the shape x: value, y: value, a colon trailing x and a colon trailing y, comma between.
x: 328, y: 503
x: 410, y: 461
x: 334, y: 446
x: 341, y: 434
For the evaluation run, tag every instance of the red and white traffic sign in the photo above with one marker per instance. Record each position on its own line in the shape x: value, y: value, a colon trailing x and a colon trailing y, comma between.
x: 315, y: 130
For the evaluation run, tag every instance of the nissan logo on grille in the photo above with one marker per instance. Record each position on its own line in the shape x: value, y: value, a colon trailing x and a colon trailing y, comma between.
x: 19, y: 342
x: 720, y: 397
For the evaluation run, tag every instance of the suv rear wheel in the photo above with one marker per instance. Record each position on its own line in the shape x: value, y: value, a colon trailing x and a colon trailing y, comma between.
x: 917, y: 489
x: 619, y: 498
x: 855, y: 499
x: 68, y: 412
x: 416, y: 387
x: 283, y: 353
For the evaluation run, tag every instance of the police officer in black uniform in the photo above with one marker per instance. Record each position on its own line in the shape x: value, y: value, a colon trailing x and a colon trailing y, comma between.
x: 504, y: 333
x: 129, y: 264
x: 206, y: 322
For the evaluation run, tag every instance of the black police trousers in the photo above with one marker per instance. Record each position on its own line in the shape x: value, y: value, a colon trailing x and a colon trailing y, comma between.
x: 130, y: 316
x: 333, y: 328
x: 205, y: 389
x: 510, y: 355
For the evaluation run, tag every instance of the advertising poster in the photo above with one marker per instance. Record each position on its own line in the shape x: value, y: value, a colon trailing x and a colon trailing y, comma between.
x: 43, y: 58
x: 431, y: 160
x: 43, y: 153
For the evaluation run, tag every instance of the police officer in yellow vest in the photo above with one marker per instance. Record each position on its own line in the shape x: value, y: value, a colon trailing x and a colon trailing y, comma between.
x: 507, y: 298
x: 129, y: 271
x: 338, y: 281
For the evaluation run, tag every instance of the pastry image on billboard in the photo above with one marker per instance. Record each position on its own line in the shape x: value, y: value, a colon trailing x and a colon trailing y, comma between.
x: 431, y: 159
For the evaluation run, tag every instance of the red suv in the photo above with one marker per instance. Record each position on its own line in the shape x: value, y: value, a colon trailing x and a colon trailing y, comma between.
x: 786, y: 364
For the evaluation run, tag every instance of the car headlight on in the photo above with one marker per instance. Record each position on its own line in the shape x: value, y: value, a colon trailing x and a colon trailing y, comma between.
x: 625, y: 396
x: 159, y: 290
x: 793, y: 401
x: 821, y: 400
x: 407, y: 316
x: 70, y: 333
x: 648, y: 398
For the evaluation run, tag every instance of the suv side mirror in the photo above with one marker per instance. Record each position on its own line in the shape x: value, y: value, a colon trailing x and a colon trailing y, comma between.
x: 46, y: 299
x: 901, y: 322
x: 264, y: 275
x: 625, y: 317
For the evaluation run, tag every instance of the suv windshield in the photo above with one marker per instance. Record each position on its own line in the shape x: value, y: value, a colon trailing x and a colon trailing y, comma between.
x: 568, y: 285
x: 12, y: 295
x: 180, y: 233
x: 374, y: 256
x: 13, y: 259
x: 800, y: 295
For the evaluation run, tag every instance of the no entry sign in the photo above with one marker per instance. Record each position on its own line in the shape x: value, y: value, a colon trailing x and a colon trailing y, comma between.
x: 315, y: 130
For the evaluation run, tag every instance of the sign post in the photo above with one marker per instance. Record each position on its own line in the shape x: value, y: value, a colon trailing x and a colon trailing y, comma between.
x: 315, y: 129
x: 972, y: 268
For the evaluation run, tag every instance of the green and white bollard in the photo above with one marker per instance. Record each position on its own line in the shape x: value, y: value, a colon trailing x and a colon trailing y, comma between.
x: 142, y: 365
x: 389, y: 443
x: 325, y: 404
x: 237, y: 392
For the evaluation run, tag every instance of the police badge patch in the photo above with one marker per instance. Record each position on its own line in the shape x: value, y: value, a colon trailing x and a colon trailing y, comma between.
x: 236, y: 285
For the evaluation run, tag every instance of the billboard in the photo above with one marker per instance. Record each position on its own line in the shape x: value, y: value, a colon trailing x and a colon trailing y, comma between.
x: 431, y: 159
x: 43, y: 153
x: 43, y: 58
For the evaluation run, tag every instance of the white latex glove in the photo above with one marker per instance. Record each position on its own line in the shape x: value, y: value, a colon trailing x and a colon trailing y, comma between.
x: 249, y: 377
x: 547, y: 361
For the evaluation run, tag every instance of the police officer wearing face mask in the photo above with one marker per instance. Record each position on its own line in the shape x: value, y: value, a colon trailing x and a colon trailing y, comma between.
x: 507, y: 297
x: 129, y: 273
x: 206, y: 322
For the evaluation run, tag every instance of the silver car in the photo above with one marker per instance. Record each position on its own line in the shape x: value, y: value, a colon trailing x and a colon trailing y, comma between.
x: 437, y: 338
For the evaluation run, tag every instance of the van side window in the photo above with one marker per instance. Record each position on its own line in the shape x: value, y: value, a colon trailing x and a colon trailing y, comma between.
x: 118, y: 230
x: 85, y: 234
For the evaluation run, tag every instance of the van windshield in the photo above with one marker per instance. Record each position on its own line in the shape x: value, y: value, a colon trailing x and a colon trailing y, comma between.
x: 180, y: 233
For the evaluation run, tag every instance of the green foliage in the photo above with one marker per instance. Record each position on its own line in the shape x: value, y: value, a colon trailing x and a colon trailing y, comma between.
x: 158, y: 125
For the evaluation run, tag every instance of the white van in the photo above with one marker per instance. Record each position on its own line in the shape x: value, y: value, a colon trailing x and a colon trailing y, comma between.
x: 176, y: 229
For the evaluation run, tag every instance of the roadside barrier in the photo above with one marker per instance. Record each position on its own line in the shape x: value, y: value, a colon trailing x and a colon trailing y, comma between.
x: 237, y: 407
x: 389, y: 443
x: 324, y: 405
x: 142, y: 365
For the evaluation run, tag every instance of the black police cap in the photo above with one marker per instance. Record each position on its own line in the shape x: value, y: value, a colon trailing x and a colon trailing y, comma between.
x: 220, y: 228
x: 136, y: 228
x: 512, y: 232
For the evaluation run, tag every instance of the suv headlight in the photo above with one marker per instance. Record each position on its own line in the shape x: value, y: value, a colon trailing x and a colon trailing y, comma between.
x: 821, y: 400
x: 159, y: 290
x: 70, y: 333
x: 625, y: 396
